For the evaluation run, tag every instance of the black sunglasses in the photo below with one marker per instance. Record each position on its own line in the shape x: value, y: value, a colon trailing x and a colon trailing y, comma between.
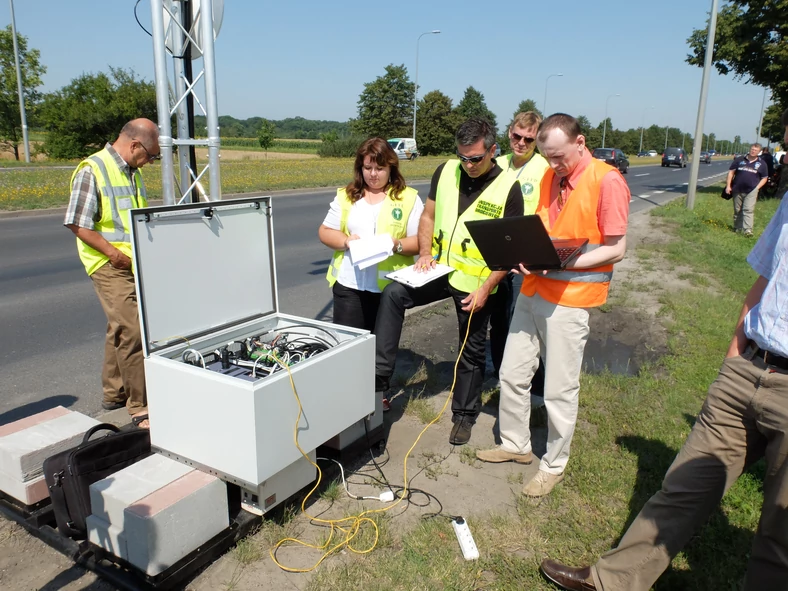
x: 517, y: 138
x: 471, y: 159
x: 151, y: 157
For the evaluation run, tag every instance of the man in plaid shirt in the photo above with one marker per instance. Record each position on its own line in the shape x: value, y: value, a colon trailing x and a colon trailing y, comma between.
x: 104, y: 187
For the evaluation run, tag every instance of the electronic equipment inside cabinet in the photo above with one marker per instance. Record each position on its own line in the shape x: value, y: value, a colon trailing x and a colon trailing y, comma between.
x: 219, y: 355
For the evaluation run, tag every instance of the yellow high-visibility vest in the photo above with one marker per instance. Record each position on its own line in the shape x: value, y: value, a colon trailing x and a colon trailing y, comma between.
x: 118, y: 196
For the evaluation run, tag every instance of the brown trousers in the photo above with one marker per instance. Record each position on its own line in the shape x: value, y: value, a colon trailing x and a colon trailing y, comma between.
x: 744, y: 418
x: 123, y: 374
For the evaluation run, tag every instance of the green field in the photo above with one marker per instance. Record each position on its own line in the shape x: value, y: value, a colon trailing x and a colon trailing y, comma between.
x: 49, y: 187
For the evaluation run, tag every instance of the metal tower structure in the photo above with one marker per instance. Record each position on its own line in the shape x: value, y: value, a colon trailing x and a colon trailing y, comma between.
x: 178, y: 34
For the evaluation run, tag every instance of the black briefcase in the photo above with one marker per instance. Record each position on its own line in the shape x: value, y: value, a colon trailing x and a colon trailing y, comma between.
x: 70, y: 473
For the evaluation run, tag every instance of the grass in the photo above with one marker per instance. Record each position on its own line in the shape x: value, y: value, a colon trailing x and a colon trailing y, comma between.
x: 629, y: 431
x: 37, y: 188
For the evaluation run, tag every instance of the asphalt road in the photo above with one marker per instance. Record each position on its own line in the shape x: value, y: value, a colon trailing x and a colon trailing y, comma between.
x: 53, y: 327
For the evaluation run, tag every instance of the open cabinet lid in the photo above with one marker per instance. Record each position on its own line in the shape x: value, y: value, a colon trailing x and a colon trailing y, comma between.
x: 202, y: 267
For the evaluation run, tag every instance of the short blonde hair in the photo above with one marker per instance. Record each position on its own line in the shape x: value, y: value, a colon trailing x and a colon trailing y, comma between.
x: 526, y: 119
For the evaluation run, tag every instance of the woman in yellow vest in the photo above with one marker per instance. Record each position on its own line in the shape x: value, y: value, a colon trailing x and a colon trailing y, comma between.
x: 374, y: 203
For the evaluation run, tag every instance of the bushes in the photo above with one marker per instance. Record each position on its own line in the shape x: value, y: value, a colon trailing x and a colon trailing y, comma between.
x: 342, y: 148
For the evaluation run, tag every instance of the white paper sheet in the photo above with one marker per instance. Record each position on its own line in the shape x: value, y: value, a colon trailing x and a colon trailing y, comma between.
x: 366, y: 252
x: 409, y: 275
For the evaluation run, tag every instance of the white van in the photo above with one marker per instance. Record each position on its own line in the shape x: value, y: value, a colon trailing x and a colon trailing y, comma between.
x: 404, y: 147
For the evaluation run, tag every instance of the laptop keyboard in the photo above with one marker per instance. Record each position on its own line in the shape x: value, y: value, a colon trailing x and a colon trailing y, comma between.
x: 565, y: 252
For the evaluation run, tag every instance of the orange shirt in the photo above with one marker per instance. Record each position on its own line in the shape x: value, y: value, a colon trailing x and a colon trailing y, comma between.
x: 614, y: 196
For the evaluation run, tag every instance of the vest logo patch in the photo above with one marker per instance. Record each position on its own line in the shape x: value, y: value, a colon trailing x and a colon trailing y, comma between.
x: 528, y: 188
x: 488, y: 209
x: 396, y: 213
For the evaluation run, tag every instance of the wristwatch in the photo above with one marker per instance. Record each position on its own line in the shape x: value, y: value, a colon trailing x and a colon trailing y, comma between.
x: 398, y: 247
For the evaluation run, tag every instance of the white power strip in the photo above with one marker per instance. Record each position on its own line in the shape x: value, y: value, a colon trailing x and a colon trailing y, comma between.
x: 464, y: 537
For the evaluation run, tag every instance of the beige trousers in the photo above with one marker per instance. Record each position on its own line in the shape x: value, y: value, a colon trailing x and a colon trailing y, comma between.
x: 744, y: 418
x: 123, y: 374
x: 559, y: 335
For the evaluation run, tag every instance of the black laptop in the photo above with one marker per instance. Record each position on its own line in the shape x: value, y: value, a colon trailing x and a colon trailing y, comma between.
x: 505, y: 243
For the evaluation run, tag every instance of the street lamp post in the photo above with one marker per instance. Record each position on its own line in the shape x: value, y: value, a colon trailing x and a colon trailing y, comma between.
x: 642, y: 126
x: 20, y: 90
x: 604, y: 128
x: 667, y: 129
x: 760, y: 120
x: 544, y: 103
x: 416, y: 81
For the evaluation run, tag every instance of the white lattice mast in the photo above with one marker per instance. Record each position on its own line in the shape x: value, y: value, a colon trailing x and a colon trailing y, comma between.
x: 171, y: 38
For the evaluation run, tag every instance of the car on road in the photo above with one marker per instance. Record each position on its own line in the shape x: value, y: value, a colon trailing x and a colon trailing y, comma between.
x: 675, y: 156
x: 712, y: 152
x: 653, y: 153
x: 705, y: 157
x: 497, y: 151
x: 404, y: 147
x: 642, y: 154
x: 614, y: 157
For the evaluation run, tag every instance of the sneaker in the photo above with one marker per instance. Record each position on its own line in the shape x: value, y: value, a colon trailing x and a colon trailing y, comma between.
x: 461, y: 431
x: 381, y: 383
x: 541, y: 484
x: 106, y: 405
x: 747, y: 234
x: 498, y: 454
x: 386, y: 405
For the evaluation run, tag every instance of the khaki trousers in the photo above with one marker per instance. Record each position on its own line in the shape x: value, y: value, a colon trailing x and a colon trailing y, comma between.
x: 744, y: 418
x: 744, y: 210
x: 559, y: 335
x: 123, y: 374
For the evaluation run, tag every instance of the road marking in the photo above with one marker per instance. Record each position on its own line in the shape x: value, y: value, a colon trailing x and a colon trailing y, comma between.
x: 658, y: 192
x: 644, y: 174
x: 678, y: 170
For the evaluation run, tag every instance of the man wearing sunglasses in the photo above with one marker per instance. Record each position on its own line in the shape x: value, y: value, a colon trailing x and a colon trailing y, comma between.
x: 470, y: 187
x: 526, y: 166
x: 104, y: 187
x: 580, y: 198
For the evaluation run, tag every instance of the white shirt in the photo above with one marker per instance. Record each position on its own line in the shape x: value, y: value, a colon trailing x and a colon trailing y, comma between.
x: 362, y: 221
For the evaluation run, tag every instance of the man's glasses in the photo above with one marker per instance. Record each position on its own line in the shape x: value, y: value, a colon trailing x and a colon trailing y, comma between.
x: 151, y: 157
x: 516, y: 138
x: 471, y: 159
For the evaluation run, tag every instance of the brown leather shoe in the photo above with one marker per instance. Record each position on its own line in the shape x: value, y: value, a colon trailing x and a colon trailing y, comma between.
x: 566, y: 577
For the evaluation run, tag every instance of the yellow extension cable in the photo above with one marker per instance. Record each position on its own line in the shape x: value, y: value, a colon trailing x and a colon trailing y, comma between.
x: 352, y: 529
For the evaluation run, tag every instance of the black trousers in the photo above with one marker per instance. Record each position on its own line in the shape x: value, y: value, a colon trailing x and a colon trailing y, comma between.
x: 501, y: 313
x: 355, y: 308
x: 397, y: 298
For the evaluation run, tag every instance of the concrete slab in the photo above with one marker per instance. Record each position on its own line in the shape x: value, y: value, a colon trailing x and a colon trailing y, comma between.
x: 27, y: 493
x: 107, y: 536
x: 168, y: 524
x: 110, y: 497
x: 29, y: 441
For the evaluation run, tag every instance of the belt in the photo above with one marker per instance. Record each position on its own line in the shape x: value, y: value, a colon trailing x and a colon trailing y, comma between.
x: 770, y: 358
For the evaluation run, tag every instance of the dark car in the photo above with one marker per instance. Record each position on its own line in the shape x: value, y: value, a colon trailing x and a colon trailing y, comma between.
x: 675, y: 156
x: 614, y: 157
x: 642, y: 154
x: 705, y: 157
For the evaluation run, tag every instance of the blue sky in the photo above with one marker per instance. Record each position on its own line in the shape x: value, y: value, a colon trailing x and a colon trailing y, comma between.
x: 310, y: 58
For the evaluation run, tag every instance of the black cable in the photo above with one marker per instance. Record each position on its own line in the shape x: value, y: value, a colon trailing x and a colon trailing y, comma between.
x: 136, y: 18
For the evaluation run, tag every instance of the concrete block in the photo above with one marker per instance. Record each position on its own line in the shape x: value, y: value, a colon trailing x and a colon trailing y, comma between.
x: 28, y: 493
x: 110, y: 497
x: 107, y: 536
x: 25, y: 444
x: 168, y: 524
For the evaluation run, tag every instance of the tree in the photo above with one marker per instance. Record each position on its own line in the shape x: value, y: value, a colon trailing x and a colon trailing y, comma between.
x: 92, y: 109
x: 385, y: 107
x: 32, y: 70
x: 473, y: 105
x: 527, y: 105
x: 750, y: 43
x: 772, y: 128
x: 438, y: 124
x: 265, y: 135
